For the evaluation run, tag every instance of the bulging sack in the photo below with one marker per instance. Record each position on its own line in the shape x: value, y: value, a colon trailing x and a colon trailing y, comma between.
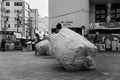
x: 70, y: 49
x: 43, y: 47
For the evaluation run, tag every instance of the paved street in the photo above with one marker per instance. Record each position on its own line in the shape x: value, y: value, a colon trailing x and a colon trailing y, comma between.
x: 27, y: 66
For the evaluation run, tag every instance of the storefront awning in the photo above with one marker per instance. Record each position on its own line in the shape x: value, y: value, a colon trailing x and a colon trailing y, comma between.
x: 105, y: 31
x: 7, y: 32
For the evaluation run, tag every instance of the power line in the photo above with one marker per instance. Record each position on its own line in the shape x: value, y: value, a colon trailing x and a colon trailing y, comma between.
x: 70, y: 13
x: 8, y: 17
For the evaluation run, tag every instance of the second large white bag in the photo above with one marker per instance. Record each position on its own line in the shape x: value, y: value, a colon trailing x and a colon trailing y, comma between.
x: 43, y: 47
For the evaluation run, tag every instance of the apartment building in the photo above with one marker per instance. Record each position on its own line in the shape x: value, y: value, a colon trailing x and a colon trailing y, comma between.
x: 34, y: 21
x: 26, y: 17
x: 34, y: 17
x: 0, y: 15
x: 43, y: 24
x: 16, y: 15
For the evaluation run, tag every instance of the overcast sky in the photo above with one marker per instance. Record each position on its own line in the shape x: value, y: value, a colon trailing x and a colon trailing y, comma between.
x: 41, y: 5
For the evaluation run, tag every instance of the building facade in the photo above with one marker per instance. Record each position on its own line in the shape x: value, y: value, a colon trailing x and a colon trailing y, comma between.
x: 15, y: 15
x: 26, y: 17
x: 33, y: 21
x: 34, y: 17
x: 0, y: 15
x: 104, y: 14
x: 93, y: 14
x: 43, y: 24
x: 13, y: 9
x: 70, y: 13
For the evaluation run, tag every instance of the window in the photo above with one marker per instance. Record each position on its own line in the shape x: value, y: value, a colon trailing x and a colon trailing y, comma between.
x: 8, y: 25
x: 7, y: 18
x: 17, y: 11
x: 18, y: 4
x: 15, y: 18
x: 7, y: 3
x: 7, y: 11
x: 15, y: 25
x: 115, y: 13
x: 18, y: 19
x: 101, y: 13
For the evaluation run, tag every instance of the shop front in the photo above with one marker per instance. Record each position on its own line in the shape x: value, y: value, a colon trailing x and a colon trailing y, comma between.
x: 9, y: 39
x: 105, y: 19
x: 104, y: 14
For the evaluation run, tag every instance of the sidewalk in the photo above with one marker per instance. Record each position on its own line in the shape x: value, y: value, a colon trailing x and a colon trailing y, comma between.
x: 108, y: 51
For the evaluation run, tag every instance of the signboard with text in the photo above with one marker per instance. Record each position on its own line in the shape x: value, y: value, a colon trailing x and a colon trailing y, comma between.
x: 104, y: 25
x: 67, y: 23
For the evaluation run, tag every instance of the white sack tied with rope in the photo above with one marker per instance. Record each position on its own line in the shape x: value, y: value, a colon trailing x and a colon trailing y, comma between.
x: 70, y: 49
x: 43, y: 47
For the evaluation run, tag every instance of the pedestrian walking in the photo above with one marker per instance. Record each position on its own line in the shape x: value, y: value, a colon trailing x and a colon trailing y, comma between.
x: 83, y: 30
x: 3, y: 44
x: 96, y: 40
x: 37, y: 39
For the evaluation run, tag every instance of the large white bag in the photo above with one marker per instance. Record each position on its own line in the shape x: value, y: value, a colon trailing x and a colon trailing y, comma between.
x: 43, y: 47
x: 69, y: 48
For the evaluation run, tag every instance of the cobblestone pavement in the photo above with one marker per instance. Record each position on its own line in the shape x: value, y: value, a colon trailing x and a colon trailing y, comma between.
x: 27, y: 66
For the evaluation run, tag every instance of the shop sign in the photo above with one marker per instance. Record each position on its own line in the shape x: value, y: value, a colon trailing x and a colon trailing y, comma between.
x: 104, y: 25
x: 67, y: 23
x: 113, y: 25
x: 97, y: 25
x: 18, y: 35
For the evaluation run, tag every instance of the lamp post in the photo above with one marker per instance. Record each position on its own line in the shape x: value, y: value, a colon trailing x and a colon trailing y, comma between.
x: 30, y: 27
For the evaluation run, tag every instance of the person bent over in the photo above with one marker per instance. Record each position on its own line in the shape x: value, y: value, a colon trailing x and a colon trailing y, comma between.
x: 37, y: 39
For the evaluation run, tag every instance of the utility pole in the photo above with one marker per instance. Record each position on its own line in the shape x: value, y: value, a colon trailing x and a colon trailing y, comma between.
x: 18, y: 21
x: 30, y: 27
x: 5, y: 22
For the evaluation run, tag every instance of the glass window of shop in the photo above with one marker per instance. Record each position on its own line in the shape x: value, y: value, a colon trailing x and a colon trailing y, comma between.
x: 101, y: 13
x: 115, y: 12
